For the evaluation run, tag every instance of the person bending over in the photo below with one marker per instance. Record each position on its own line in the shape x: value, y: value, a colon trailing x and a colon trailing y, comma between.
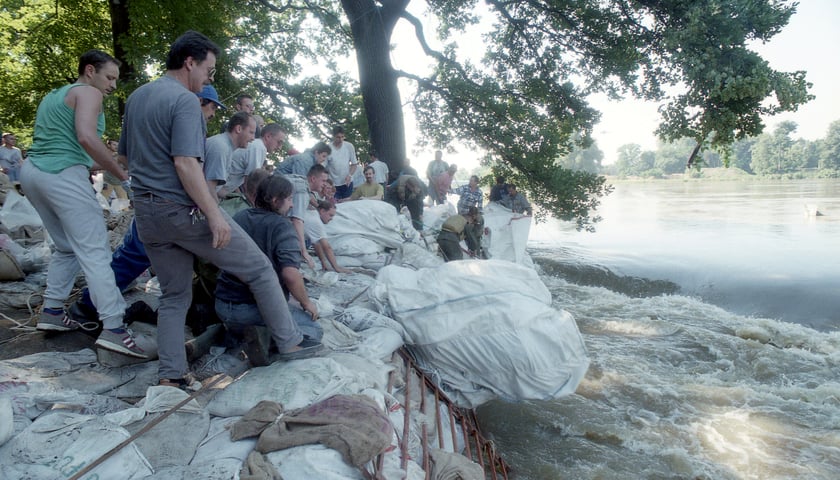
x: 273, y: 232
x: 317, y: 236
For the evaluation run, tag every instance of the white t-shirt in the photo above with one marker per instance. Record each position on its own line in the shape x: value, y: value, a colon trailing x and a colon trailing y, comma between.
x: 339, y: 161
x: 313, y: 227
x: 380, y: 171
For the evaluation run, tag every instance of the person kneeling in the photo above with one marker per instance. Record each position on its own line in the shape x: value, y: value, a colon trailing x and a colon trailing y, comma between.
x: 273, y: 232
x: 454, y: 230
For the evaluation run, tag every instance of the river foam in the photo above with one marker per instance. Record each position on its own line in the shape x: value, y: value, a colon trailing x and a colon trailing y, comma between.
x: 680, y: 388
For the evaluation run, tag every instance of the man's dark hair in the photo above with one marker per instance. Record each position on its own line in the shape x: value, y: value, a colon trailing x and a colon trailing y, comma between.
x: 500, y: 179
x: 316, y: 169
x: 97, y: 58
x: 275, y: 186
x: 190, y: 44
x: 337, y: 129
x: 271, y: 129
x: 243, y: 97
x: 325, y: 205
x: 511, y: 185
x: 369, y: 168
x: 239, y: 118
x: 321, y: 147
x: 477, y: 180
x: 253, y: 180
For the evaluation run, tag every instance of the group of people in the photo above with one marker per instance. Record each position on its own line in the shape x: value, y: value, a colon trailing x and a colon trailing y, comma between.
x: 196, y: 197
x: 176, y: 175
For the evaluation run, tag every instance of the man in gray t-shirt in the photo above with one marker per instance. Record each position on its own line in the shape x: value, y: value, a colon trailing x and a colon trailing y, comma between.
x: 219, y: 148
x: 178, y: 217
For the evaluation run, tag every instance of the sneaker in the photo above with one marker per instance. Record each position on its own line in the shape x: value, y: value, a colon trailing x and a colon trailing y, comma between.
x: 120, y: 341
x: 257, y: 342
x: 55, y: 321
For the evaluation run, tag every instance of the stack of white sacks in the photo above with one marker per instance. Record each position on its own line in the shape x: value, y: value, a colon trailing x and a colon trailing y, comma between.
x: 486, y: 329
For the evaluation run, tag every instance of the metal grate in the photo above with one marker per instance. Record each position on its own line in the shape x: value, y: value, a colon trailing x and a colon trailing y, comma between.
x: 476, y: 447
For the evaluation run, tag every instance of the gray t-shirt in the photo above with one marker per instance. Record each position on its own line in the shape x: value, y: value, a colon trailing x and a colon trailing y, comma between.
x: 218, y: 152
x: 10, y: 157
x: 162, y: 120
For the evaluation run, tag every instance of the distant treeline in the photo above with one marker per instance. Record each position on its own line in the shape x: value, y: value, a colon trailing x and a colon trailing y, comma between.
x: 776, y: 154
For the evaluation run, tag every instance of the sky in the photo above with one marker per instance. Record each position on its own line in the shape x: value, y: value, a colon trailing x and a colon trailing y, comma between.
x: 808, y: 42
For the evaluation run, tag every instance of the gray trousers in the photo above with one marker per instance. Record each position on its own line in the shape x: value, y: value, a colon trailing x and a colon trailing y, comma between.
x: 172, y: 238
x: 67, y: 205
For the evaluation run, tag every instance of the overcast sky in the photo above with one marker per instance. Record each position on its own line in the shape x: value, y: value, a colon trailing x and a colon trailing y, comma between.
x: 809, y: 42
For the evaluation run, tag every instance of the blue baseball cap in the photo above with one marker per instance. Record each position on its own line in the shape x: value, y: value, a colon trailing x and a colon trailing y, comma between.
x: 209, y: 93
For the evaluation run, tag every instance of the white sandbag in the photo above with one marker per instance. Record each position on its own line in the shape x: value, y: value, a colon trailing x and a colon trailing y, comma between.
x: 158, y: 399
x: 372, y: 368
x: 359, y: 319
x: 313, y: 461
x: 66, y: 443
x: 294, y: 384
x: 376, y: 221
x: 508, y: 236
x: 379, y: 343
x: 79, y: 402
x: 20, y: 295
x: 218, y: 445
x: 375, y: 261
x: 434, y: 216
x: 17, y: 212
x: 103, y: 202
x: 485, y: 328
x: 159, y: 445
x: 120, y: 204
x: 162, y: 446
x: 7, y: 420
x: 348, y: 262
x: 217, y: 469
x: 416, y: 256
x: 401, y: 291
x: 353, y: 245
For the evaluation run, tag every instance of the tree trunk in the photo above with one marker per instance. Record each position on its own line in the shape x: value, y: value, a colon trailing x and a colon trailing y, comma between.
x: 119, y: 27
x: 372, y: 26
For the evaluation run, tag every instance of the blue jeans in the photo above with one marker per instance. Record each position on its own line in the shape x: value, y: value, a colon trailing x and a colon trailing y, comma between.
x: 343, y: 191
x: 128, y: 262
x: 237, y: 316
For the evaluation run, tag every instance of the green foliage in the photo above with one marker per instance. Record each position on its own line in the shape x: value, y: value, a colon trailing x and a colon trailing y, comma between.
x: 523, y: 103
x: 672, y: 157
x: 585, y: 159
x: 830, y: 149
x: 777, y: 153
x: 42, y: 41
x: 520, y: 106
x: 742, y: 153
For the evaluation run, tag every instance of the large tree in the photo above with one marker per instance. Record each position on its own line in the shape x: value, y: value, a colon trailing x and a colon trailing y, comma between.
x: 522, y: 101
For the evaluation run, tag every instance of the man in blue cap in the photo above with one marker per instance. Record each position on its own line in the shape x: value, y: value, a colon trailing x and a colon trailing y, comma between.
x: 210, y: 102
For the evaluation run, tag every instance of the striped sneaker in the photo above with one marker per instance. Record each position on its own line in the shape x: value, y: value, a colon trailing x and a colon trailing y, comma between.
x: 55, y: 320
x: 120, y: 340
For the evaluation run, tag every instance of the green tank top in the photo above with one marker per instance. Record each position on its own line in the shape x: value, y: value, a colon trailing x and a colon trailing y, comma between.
x: 55, y: 145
